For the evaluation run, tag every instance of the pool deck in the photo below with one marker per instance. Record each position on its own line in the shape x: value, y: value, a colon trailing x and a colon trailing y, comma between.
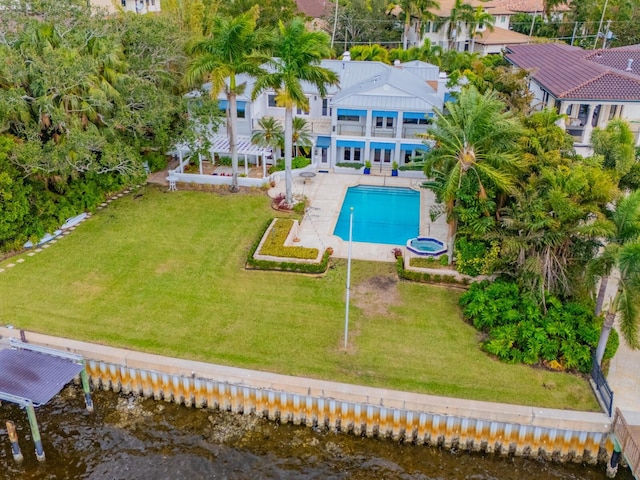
x: 326, y: 192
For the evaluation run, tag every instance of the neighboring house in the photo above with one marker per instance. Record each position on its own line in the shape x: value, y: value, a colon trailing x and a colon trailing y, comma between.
x: 315, y: 10
x: 376, y: 113
x: 136, y: 6
x: 590, y: 87
x: 485, y: 41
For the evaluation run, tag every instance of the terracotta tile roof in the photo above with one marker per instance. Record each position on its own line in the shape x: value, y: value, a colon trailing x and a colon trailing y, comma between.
x: 569, y: 72
x: 500, y: 36
x: 313, y: 8
x: 618, y: 58
x: 529, y: 6
x: 447, y: 5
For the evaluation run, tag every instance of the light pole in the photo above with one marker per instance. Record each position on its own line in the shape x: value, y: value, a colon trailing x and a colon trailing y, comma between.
x: 604, y: 9
x: 346, y: 314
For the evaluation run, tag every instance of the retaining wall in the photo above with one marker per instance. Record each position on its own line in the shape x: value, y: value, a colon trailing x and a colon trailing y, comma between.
x: 423, y: 419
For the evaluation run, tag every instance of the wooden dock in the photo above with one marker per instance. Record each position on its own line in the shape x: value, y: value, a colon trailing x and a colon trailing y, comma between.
x: 629, y: 438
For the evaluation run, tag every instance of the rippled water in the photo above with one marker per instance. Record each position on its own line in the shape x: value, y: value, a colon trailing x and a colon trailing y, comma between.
x: 127, y: 438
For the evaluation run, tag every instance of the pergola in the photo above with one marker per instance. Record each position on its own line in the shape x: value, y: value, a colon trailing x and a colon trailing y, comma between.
x: 220, y: 144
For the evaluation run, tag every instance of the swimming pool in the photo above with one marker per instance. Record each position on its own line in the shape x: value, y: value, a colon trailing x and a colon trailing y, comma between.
x: 388, y: 215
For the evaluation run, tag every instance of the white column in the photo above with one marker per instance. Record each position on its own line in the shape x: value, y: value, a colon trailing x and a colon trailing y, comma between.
x: 586, y: 134
x: 367, y: 125
x: 562, y: 123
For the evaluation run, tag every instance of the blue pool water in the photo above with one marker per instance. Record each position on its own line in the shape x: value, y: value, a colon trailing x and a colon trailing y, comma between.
x: 387, y: 215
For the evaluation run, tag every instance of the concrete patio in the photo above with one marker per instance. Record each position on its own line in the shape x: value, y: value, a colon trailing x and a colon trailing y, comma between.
x: 326, y: 192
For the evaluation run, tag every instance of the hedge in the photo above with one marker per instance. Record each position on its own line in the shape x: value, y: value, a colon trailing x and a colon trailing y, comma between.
x: 253, y: 263
x: 274, y: 243
x: 424, y: 277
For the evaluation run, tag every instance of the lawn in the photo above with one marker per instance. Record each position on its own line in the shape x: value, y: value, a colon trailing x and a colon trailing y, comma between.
x: 164, y: 273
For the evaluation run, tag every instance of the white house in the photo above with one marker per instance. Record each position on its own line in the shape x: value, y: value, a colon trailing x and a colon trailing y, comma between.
x: 590, y: 87
x: 135, y: 6
x: 485, y: 41
x: 376, y: 112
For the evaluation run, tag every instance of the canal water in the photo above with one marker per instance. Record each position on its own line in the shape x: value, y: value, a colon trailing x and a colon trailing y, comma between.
x: 134, y: 438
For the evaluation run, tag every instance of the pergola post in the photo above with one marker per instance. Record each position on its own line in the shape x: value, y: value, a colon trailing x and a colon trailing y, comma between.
x: 35, y: 432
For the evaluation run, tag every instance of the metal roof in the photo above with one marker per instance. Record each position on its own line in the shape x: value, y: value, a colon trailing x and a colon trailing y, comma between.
x: 34, y: 376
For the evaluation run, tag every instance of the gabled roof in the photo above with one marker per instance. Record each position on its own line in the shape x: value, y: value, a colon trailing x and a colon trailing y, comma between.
x: 313, y: 8
x: 424, y: 70
x: 571, y: 73
x: 394, y: 88
x: 500, y: 36
x: 527, y: 6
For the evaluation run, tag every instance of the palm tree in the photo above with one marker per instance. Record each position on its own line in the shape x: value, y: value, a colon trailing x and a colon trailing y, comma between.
x: 371, y: 53
x: 300, y: 136
x: 231, y: 49
x: 622, y: 252
x: 476, y: 137
x: 297, y: 55
x: 461, y: 14
x: 480, y: 18
x: 414, y: 9
x: 269, y: 135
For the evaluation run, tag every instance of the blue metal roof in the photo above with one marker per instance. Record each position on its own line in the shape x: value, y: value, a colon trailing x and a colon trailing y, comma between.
x: 34, y: 376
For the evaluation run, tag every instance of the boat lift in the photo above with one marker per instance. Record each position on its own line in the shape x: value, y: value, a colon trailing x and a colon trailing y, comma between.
x: 31, y: 376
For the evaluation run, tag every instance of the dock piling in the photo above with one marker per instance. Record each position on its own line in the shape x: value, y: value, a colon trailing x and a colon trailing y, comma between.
x: 13, y: 438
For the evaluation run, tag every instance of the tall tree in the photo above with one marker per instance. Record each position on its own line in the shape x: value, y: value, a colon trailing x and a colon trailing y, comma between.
x: 461, y: 15
x: 300, y: 136
x: 476, y: 137
x: 231, y: 49
x: 481, y: 18
x: 621, y: 251
x: 297, y: 55
x: 616, y: 144
x: 270, y: 134
x: 414, y: 11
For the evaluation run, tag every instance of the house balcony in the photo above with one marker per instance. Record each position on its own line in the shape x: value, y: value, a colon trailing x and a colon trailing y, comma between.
x: 383, y: 132
x: 351, y: 129
x: 316, y: 126
x: 413, y: 131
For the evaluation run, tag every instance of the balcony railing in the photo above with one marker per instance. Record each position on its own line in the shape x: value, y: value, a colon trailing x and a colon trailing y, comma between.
x: 383, y: 132
x: 351, y: 129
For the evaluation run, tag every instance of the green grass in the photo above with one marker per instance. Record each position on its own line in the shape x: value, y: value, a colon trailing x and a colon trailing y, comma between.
x: 163, y: 273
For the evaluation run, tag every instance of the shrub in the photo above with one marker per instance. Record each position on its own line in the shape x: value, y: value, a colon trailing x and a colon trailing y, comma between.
x: 519, y: 331
x: 475, y: 257
x: 226, y: 161
x: 297, y: 162
x: 274, y: 243
x: 356, y: 165
x: 444, y: 260
x: 424, y: 277
x: 156, y: 161
x: 314, y: 268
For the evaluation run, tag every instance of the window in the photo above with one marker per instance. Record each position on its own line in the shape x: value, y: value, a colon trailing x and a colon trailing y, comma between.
x: 271, y: 99
x: 417, y: 121
x: 325, y: 107
x: 153, y: 2
x: 240, y: 113
x: 503, y: 18
x: 300, y: 111
x: 352, y: 154
x: 384, y: 122
x: 349, y: 118
x: 123, y: 3
x: 612, y: 111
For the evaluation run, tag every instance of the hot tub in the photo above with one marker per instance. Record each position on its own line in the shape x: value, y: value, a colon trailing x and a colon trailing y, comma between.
x: 427, y: 246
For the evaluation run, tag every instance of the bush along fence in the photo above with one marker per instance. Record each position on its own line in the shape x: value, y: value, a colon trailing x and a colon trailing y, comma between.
x: 296, y: 253
x: 402, y: 416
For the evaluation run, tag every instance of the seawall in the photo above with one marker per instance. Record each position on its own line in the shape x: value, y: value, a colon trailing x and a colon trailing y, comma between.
x: 424, y: 419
